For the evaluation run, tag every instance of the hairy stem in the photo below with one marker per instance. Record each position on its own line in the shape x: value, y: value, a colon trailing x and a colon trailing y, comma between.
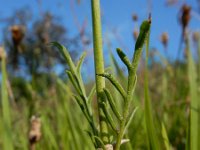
x: 99, y: 66
x: 126, y: 107
x: 132, y: 68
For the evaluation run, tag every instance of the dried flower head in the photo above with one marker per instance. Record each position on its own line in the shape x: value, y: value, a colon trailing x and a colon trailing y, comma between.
x: 17, y: 32
x: 135, y: 17
x: 185, y: 16
x: 35, y: 130
x: 164, y: 39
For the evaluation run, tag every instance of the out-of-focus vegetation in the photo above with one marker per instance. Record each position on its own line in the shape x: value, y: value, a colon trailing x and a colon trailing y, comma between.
x: 38, y: 109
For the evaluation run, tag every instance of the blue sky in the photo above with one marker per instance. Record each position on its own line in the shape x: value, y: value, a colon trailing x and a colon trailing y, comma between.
x: 116, y: 15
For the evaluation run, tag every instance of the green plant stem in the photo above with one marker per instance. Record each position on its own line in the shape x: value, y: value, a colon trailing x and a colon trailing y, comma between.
x: 130, y: 89
x: 144, y: 32
x: 99, y: 66
x: 126, y: 107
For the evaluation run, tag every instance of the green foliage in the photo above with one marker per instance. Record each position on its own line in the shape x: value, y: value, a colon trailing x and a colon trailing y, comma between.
x: 165, y: 138
x: 6, y: 112
x: 155, y: 107
x: 150, y: 125
x: 195, y: 104
x: 63, y: 125
x: 127, y: 95
x: 82, y: 99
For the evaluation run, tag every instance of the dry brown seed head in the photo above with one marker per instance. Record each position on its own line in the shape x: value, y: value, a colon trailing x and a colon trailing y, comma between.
x: 134, y: 17
x: 185, y: 16
x: 35, y: 130
x: 164, y: 39
x: 17, y: 32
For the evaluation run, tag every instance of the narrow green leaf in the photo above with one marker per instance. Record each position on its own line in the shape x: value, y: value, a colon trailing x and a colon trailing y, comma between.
x: 92, y: 138
x: 135, y: 82
x: 74, y: 133
x: 83, y: 108
x: 79, y: 77
x: 48, y: 133
x: 73, y: 75
x: 144, y: 31
x: 109, y: 117
x: 66, y: 55
x: 129, y: 120
x: 80, y: 62
x: 151, y: 131
x: 101, y: 142
x: 119, y: 71
x: 195, y: 104
x: 115, y: 83
x: 80, y: 84
x: 124, y: 58
x: 74, y: 83
x: 165, y: 138
x: 112, y: 104
x: 91, y: 95
x: 7, y: 134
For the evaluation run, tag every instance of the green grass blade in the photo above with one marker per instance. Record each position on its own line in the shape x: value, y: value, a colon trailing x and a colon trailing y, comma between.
x: 130, y: 119
x: 91, y: 94
x: 48, y: 133
x: 152, y: 136
x: 165, y: 138
x: 80, y: 62
x: 7, y: 132
x: 194, y: 106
